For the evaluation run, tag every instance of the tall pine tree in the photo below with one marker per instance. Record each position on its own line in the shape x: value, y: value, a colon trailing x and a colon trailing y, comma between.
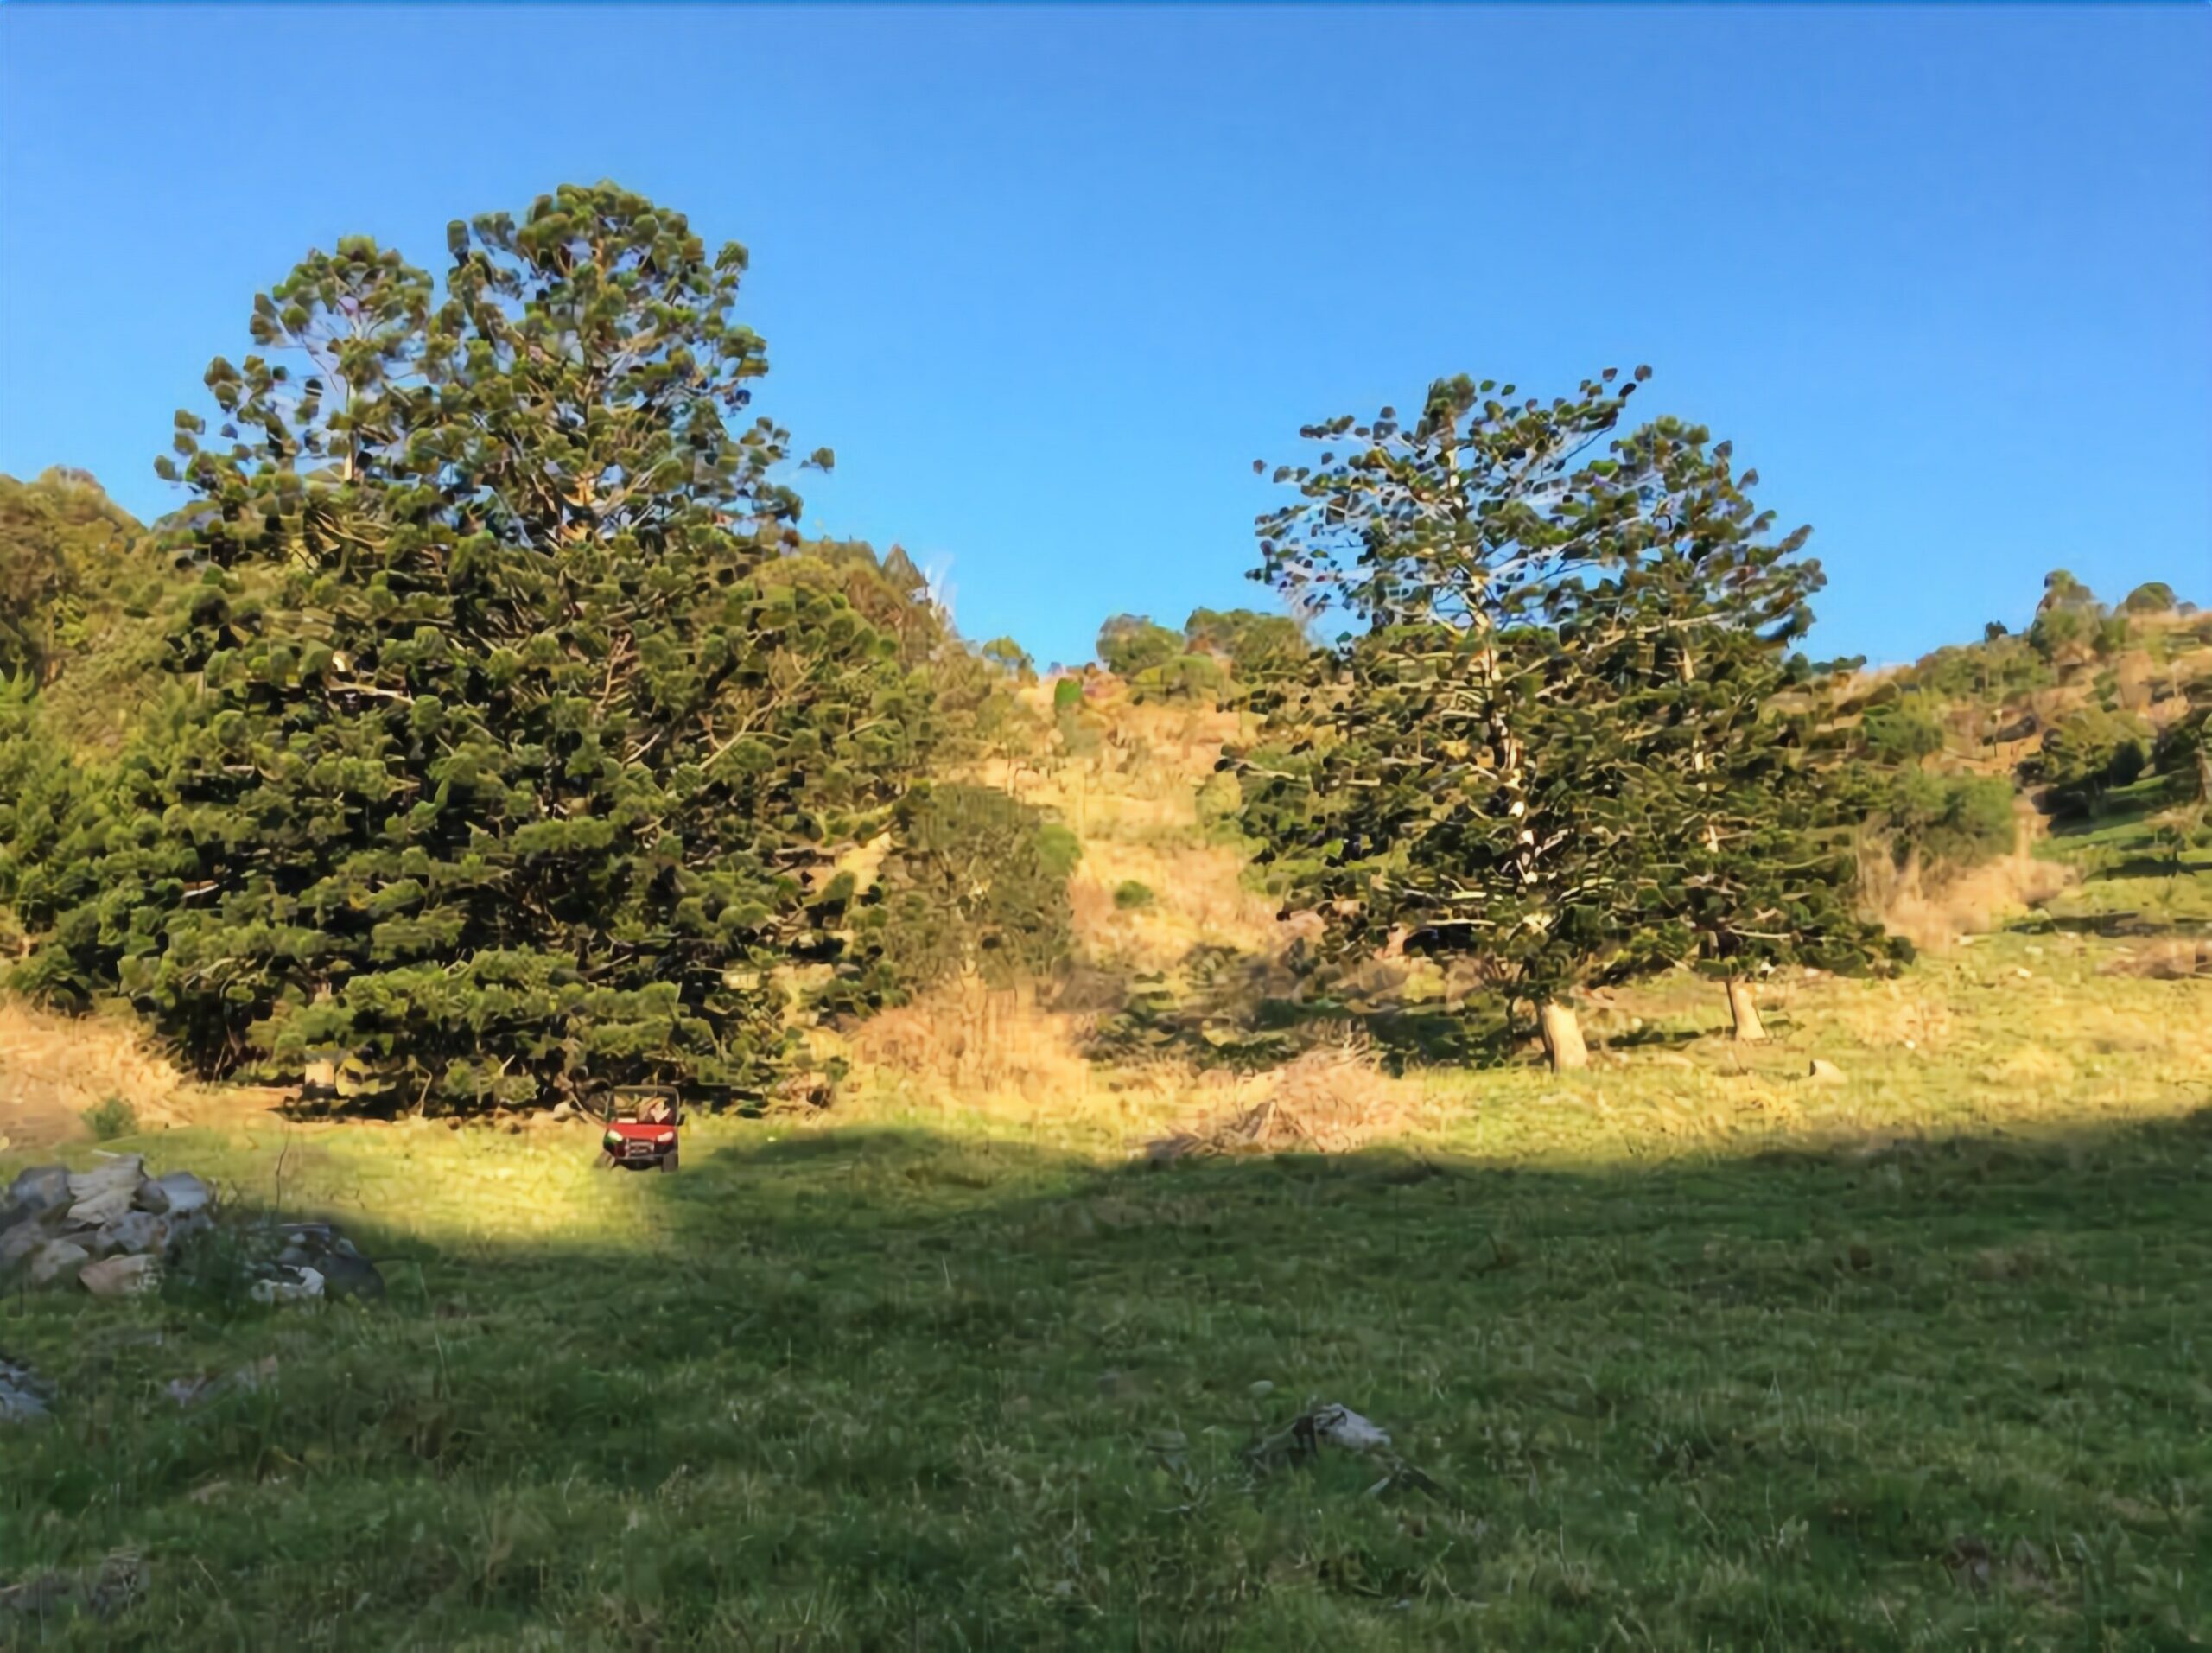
x: 517, y: 748
x: 1557, y: 737
x: 1704, y: 610
x: 1462, y: 778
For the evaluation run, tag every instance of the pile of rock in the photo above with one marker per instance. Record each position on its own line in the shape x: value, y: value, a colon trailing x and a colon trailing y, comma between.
x: 113, y: 1229
x: 108, y: 1228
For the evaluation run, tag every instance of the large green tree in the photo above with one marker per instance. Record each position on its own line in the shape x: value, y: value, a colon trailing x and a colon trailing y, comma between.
x: 1462, y: 778
x: 1555, y: 735
x: 1704, y: 609
x: 521, y: 734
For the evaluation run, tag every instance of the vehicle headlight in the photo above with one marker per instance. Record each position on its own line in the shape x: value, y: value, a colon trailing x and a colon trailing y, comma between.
x: 614, y: 1138
x: 666, y: 1139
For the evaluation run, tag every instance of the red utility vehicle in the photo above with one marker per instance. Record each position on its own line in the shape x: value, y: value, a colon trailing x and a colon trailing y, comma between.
x: 643, y: 1123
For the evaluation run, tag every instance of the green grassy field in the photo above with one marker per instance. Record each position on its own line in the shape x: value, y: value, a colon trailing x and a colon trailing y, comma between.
x: 1699, y: 1352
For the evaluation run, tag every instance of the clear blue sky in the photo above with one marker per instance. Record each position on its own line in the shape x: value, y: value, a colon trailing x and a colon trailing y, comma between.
x: 1049, y: 281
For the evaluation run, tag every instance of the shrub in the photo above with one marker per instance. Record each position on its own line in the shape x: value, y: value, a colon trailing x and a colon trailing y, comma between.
x: 1901, y: 731
x: 1948, y: 823
x: 1130, y: 894
x: 2090, y: 752
x: 978, y: 884
x: 112, y: 1118
x: 1061, y: 849
x: 1131, y: 643
x: 1185, y: 677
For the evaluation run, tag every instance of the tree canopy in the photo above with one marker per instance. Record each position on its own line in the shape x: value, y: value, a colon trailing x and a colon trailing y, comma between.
x: 1547, y: 740
x: 521, y: 722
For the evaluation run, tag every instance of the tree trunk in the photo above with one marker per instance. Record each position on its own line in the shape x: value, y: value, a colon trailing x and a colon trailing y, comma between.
x: 1746, y: 1011
x: 1563, y: 1036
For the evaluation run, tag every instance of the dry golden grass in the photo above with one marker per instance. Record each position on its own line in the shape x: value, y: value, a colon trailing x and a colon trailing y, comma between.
x: 53, y: 1068
x: 1932, y: 914
x: 964, y: 1043
x: 1198, y: 897
x: 2175, y: 958
x: 1332, y: 1099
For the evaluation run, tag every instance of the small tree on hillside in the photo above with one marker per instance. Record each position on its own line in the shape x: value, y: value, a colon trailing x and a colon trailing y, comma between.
x: 1131, y: 643
x: 519, y: 731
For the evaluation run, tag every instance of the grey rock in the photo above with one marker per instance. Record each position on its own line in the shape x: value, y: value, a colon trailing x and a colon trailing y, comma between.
x: 1825, y: 1072
x: 56, y: 1260
x: 42, y: 1189
x: 178, y: 1194
x: 23, y: 1396
x: 346, y: 1276
x: 124, y: 1171
x: 132, y: 1232
x: 98, y: 1209
x: 121, y: 1276
x: 17, y: 1242
x: 303, y: 1285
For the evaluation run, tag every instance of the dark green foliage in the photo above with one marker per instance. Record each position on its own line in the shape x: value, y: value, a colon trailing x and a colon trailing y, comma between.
x: 2151, y: 597
x: 42, y: 787
x: 1258, y: 647
x: 1945, y: 823
x: 2069, y: 623
x: 1453, y: 767
x: 1723, y: 723
x: 2183, y: 751
x: 521, y: 720
x: 1551, y: 740
x: 1130, y: 644
x: 1901, y: 731
x: 112, y: 1118
x: 2093, y: 750
x: 979, y: 883
x: 1131, y: 894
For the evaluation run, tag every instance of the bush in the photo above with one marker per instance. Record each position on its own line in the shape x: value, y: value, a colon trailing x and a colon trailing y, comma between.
x: 1131, y: 643
x: 2091, y: 751
x: 112, y: 1118
x: 978, y: 883
x: 1061, y: 849
x: 1948, y: 823
x: 1130, y: 894
x: 2183, y: 753
x: 1901, y: 731
x: 1187, y: 676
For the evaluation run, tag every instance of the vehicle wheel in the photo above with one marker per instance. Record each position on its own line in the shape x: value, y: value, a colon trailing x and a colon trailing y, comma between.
x: 604, y: 1158
x: 668, y: 1161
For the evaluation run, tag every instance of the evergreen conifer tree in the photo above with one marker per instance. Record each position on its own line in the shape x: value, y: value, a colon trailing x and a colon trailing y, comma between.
x: 516, y: 734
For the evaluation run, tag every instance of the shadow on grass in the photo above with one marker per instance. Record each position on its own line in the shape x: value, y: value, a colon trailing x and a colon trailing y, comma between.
x: 2111, y: 926
x: 893, y: 1387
